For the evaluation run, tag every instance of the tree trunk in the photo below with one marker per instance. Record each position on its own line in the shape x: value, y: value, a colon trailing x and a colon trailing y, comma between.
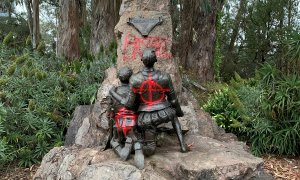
x: 104, y: 18
x: 198, y: 37
x: 28, y: 4
x: 36, y: 24
x: 82, y: 12
x: 235, y: 30
x: 68, y: 30
x: 186, y: 33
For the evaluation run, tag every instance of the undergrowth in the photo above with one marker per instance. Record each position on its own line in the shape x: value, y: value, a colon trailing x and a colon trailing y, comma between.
x: 38, y: 93
x: 264, y: 110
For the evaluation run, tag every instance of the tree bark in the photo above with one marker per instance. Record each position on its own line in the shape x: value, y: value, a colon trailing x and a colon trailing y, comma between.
x: 82, y: 12
x: 104, y: 18
x: 36, y: 24
x: 198, y: 37
x: 28, y: 4
x: 68, y: 30
x: 238, y: 19
x: 186, y: 33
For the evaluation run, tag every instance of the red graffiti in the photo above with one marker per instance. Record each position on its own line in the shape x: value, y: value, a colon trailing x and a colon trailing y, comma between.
x: 125, y: 120
x: 150, y: 86
x: 136, y: 44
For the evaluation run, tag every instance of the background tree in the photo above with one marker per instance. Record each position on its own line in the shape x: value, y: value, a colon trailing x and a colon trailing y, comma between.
x: 255, y: 33
x: 197, y: 36
x: 8, y: 6
x: 68, y: 30
x: 105, y: 16
x: 28, y: 4
x: 36, y: 23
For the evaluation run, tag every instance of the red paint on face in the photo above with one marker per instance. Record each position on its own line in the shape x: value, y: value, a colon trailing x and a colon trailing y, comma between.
x: 150, y: 86
x: 135, y: 44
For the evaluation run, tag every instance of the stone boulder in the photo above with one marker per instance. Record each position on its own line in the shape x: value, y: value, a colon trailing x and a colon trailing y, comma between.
x: 209, y: 159
x: 131, y: 43
x: 90, y: 125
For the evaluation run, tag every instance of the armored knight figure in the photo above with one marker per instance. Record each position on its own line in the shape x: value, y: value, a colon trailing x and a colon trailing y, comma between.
x: 123, y: 128
x: 156, y: 96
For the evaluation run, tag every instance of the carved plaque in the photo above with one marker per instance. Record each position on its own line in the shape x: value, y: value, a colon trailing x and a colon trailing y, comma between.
x: 144, y: 26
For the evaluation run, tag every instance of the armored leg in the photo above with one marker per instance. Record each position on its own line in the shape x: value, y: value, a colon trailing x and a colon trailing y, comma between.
x: 116, y: 146
x: 139, y: 156
x: 149, y: 145
x: 149, y: 148
x: 121, y: 149
x: 176, y: 125
x: 126, y: 150
x: 122, y: 152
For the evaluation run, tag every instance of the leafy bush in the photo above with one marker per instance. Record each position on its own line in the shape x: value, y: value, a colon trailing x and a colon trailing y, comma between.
x: 19, y: 27
x: 222, y: 108
x: 262, y: 110
x: 8, y: 38
x: 38, y: 94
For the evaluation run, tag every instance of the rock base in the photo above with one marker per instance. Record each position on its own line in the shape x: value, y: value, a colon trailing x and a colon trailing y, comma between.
x: 209, y: 159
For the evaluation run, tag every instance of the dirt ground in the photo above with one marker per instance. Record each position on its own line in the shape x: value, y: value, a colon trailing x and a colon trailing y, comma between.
x: 279, y: 166
x: 283, y: 167
x: 13, y: 172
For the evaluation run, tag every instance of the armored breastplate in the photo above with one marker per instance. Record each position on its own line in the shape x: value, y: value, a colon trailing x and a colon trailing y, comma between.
x: 152, y: 91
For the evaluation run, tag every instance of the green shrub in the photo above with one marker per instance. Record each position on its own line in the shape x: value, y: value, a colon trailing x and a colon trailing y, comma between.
x: 28, y: 41
x: 41, y: 47
x: 39, y: 93
x: 8, y: 38
x: 264, y: 111
x: 223, y: 109
x: 13, y: 31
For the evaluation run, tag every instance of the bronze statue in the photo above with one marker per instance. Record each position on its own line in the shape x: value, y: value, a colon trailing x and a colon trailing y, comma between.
x: 123, y: 130
x: 153, y: 91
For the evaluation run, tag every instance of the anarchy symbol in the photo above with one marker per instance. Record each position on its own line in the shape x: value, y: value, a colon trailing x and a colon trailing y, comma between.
x: 150, y: 86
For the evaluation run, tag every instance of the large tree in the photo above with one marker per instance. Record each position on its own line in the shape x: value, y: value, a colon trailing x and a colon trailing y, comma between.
x: 68, y: 30
x: 36, y: 23
x: 198, y: 36
x: 104, y: 18
x: 28, y: 4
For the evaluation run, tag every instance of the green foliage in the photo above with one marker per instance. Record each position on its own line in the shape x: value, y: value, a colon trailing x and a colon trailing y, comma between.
x: 264, y: 110
x: 8, y: 38
x: 28, y: 41
x: 39, y: 93
x: 264, y: 36
x: 13, y: 31
x: 221, y: 109
x: 41, y: 47
x: 292, y: 54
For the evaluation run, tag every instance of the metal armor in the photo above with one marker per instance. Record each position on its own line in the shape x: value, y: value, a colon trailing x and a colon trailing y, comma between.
x: 154, y: 90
